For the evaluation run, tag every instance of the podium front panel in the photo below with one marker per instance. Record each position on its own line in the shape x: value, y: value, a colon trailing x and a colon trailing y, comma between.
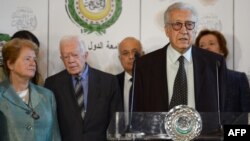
x: 151, y: 125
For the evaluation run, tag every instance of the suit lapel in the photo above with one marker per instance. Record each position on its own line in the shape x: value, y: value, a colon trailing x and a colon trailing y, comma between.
x: 34, y: 95
x: 163, y: 56
x: 121, y: 84
x: 199, y: 74
x: 68, y: 96
x: 11, y: 96
x: 68, y: 91
x: 93, y: 94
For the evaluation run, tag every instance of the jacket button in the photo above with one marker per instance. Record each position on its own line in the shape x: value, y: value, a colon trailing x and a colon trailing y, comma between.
x: 29, y: 127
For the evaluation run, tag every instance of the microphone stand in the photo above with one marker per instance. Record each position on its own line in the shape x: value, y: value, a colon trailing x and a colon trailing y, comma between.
x: 216, y: 134
x: 129, y: 130
x: 218, y: 97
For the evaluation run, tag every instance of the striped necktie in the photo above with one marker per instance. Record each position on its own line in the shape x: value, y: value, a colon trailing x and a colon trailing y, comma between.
x: 79, y: 95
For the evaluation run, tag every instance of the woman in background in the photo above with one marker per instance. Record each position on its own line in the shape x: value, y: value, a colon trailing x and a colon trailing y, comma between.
x: 238, y: 91
x: 29, y: 110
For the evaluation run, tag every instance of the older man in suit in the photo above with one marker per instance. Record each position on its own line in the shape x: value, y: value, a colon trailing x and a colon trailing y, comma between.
x: 198, y: 70
x: 85, y: 108
x: 128, y: 48
x: 157, y: 70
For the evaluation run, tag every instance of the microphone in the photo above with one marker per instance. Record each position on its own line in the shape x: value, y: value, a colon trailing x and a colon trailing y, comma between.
x: 128, y: 131
x: 218, y: 95
x: 137, y: 56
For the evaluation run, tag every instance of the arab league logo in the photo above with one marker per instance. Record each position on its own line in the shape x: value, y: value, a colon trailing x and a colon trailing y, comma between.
x: 94, y: 15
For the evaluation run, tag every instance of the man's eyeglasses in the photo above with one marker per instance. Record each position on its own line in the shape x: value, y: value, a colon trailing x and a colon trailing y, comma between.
x: 178, y: 25
x: 127, y: 53
x: 68, y: 56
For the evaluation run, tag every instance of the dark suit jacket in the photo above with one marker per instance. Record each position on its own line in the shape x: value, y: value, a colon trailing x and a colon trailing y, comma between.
x: 3, y: 127
x: 120, y: 78
x: 151, y: 89
x: 151, y: 82
x: 103, y: 100
x: 238, y: 92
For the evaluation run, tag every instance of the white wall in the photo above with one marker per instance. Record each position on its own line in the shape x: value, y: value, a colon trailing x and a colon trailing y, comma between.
x: 139, y: 18
x: 242, y: 41
x: 30, y: 15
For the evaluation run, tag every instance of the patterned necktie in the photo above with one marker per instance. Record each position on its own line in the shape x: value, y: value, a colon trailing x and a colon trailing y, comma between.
x: 179, y: 96
x: 79, y: 95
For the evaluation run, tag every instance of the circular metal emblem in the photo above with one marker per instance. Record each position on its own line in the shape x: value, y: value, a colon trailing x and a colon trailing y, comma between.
x: 183, y: 123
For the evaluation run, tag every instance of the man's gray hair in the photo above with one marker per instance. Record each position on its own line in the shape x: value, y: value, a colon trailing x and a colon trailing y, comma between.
x: 179, y: 6
x: 80, y: 42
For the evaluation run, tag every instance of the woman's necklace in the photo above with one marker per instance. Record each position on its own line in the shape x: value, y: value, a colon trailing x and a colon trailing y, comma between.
x: 34, y: 115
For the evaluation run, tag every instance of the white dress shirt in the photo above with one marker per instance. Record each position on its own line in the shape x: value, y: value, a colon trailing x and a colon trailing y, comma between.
x: 172, y: 68
x: 127, y: 86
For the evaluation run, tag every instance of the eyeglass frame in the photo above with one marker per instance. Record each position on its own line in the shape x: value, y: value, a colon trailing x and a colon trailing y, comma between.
x: 181, y: 25
x: 128, y: 53
x: 68, y: 56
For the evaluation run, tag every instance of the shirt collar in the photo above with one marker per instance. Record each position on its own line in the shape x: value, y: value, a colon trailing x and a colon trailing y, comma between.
x: 127, y: 76
x: 85, y: 72
x: 174, y: 55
